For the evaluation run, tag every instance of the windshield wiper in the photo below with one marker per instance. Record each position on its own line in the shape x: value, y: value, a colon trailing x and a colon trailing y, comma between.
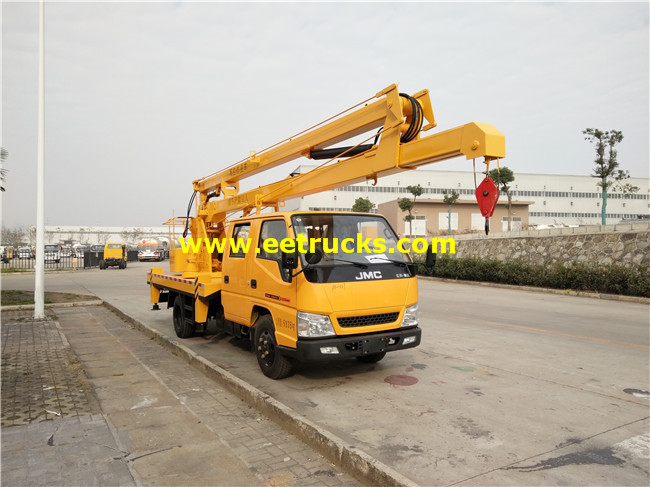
x: 358, y: 264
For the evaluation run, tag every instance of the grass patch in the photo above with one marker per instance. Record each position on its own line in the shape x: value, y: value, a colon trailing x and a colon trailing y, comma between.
x: 12, y: 297
x: 14, y: 270
x: 579, y: 276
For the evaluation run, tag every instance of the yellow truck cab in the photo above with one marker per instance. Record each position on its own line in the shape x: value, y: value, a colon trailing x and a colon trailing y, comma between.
x: 115, y: 254
x: 334, y: 301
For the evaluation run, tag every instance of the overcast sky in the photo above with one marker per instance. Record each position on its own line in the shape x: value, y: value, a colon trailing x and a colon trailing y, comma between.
x: 142, y: 98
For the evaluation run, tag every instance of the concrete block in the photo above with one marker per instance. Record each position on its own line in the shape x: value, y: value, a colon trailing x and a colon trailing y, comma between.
x: 622, y: 227
x: 641, y: 226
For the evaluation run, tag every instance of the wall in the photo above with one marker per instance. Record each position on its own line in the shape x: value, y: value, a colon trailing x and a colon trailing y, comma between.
x: 622, y: 244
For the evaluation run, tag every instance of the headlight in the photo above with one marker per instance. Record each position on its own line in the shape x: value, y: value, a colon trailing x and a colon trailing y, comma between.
x: 410, y: 316
x: 311, y: 325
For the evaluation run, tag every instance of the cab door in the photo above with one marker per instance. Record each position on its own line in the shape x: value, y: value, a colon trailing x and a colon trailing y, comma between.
x: 270, y: 285
x: 236, y: 302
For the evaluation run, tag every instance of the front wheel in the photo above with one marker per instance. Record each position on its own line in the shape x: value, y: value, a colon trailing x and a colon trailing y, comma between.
x: 273, y: 364
x: 181, y: 326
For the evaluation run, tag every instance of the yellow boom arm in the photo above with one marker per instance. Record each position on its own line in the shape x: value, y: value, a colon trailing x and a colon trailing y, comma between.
x: 397, y: 115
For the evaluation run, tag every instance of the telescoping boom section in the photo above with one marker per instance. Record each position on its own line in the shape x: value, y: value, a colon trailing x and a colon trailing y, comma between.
x: 311, y: 286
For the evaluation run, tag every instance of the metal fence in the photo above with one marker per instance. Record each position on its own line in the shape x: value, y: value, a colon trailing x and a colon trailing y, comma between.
x: 88, y: 260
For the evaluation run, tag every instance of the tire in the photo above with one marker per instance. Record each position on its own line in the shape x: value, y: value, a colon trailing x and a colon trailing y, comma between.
x: 125, y: 262
x: 102, y: 264
x: 181, y: 327
x: 372, y: 358
x: 120, y: 265
x: 273, y: 364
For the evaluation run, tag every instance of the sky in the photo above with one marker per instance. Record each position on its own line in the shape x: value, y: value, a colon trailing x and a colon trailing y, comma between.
x: 143, y: 98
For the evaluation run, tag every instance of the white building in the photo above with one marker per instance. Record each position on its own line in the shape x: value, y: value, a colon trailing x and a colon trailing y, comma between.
x: 557, y: 199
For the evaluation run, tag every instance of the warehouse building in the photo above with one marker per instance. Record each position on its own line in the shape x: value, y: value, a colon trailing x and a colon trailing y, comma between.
x: 538, y: 199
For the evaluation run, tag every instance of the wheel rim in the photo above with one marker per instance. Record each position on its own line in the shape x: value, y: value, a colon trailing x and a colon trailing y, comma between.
x: 266, y: 348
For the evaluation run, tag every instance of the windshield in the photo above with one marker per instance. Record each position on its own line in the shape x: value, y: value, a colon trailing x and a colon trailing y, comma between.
x: 52, y: 248
x: 350, y: 243
x: 114, y: 246
x: 364, y: 239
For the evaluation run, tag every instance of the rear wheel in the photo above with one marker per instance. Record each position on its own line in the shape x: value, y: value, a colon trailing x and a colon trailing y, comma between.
x: 273, y: 364
x: 182, y: 328
x: 102, y: 264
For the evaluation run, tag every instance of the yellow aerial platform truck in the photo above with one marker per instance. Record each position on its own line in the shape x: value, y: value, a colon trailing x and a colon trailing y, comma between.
x: 311, y: 286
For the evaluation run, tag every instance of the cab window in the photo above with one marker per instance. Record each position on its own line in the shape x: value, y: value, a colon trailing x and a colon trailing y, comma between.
x: 271, y: 234
x: 239, y: 238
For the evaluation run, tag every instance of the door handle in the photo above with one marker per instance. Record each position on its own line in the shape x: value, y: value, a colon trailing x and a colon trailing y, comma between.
x: 254, y: 283
x: 226, y: 279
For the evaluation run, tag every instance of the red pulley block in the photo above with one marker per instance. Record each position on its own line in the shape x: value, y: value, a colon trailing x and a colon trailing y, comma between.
x: 487, y: 195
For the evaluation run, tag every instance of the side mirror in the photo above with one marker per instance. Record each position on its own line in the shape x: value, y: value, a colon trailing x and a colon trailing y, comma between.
x: 290, y: 260
x: 430, y: 262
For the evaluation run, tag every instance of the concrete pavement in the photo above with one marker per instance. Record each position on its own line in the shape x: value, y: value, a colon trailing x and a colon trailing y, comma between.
x: 507, y: 388
x: 88, y: 400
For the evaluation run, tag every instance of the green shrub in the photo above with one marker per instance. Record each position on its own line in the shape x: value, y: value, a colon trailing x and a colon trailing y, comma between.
x: 579, y: 276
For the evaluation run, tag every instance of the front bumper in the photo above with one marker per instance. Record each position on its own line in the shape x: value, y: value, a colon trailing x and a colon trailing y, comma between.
x: 309, y: 350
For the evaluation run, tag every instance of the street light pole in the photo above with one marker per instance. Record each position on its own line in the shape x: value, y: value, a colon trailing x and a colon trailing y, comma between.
x: 39, y: 279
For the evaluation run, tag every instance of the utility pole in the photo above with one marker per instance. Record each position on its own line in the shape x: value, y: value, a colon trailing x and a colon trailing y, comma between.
x: 39, y: 275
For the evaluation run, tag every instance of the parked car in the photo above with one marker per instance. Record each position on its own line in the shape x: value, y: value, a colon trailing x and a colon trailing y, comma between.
x: 66, y: 251
x: 25, y: 253
x: 79, y: 250
x: 52, y: 253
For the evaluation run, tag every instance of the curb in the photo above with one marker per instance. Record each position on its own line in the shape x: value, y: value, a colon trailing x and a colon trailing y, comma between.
x: 547, y: 290
x: 357, y: 463
x: 23, y: 307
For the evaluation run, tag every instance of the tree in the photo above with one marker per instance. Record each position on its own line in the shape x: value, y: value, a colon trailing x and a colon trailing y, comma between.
x: 133, y: 235
x: 3, y: 172
x: 363, y: 205
x: 13, y: 236
x: 606, y: 169
x: 450, y: 199
x: 503, y: 177
x: 406, y: 204
x: 102, y: 237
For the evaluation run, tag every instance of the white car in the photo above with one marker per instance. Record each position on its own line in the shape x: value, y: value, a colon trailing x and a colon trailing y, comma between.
x: 25, y: 253
x: 52, y: 253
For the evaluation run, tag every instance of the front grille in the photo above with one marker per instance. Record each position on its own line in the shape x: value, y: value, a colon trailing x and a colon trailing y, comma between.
x: 367, y: 320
